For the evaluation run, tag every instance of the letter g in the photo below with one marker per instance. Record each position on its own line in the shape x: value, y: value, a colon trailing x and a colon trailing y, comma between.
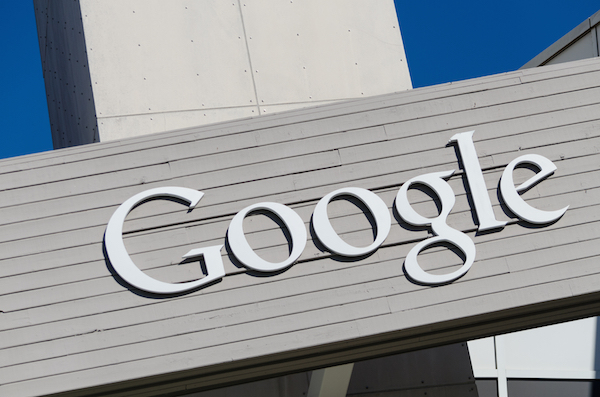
x: 124, y: 266
x: 444, y: 233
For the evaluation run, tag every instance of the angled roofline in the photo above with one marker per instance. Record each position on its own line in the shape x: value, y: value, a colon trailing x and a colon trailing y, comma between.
x: 562, y: 44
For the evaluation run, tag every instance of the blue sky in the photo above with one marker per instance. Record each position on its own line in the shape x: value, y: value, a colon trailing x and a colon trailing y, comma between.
x: 444, y: 41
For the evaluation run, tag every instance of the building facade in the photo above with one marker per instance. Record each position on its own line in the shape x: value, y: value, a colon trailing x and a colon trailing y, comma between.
x: 330, y: 235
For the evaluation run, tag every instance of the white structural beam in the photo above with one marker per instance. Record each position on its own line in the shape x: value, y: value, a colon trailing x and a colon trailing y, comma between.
x: 330, y: 382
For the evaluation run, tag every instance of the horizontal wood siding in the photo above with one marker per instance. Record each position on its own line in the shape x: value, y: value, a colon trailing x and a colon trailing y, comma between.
x: 66, y: 323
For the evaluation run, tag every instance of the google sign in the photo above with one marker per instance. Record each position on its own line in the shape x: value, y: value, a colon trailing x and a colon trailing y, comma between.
x: 124, y: 266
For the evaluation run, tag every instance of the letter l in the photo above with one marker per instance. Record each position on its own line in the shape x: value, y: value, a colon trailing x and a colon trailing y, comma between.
x: 481, y: 199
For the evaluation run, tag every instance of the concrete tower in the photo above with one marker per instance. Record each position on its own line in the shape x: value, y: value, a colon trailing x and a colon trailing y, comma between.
x: 122, y: 68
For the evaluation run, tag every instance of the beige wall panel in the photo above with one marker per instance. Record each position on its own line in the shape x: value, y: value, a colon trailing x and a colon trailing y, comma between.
x: 120, y: 127
x: 68, y: 324
x: 136, y: 62
x: 328, y: 58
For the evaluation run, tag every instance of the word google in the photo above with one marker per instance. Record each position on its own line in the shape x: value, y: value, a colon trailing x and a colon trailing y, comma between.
x: 125, y: 267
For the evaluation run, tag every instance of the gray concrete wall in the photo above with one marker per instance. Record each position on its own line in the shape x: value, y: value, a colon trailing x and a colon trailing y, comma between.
x: 68, y: 324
